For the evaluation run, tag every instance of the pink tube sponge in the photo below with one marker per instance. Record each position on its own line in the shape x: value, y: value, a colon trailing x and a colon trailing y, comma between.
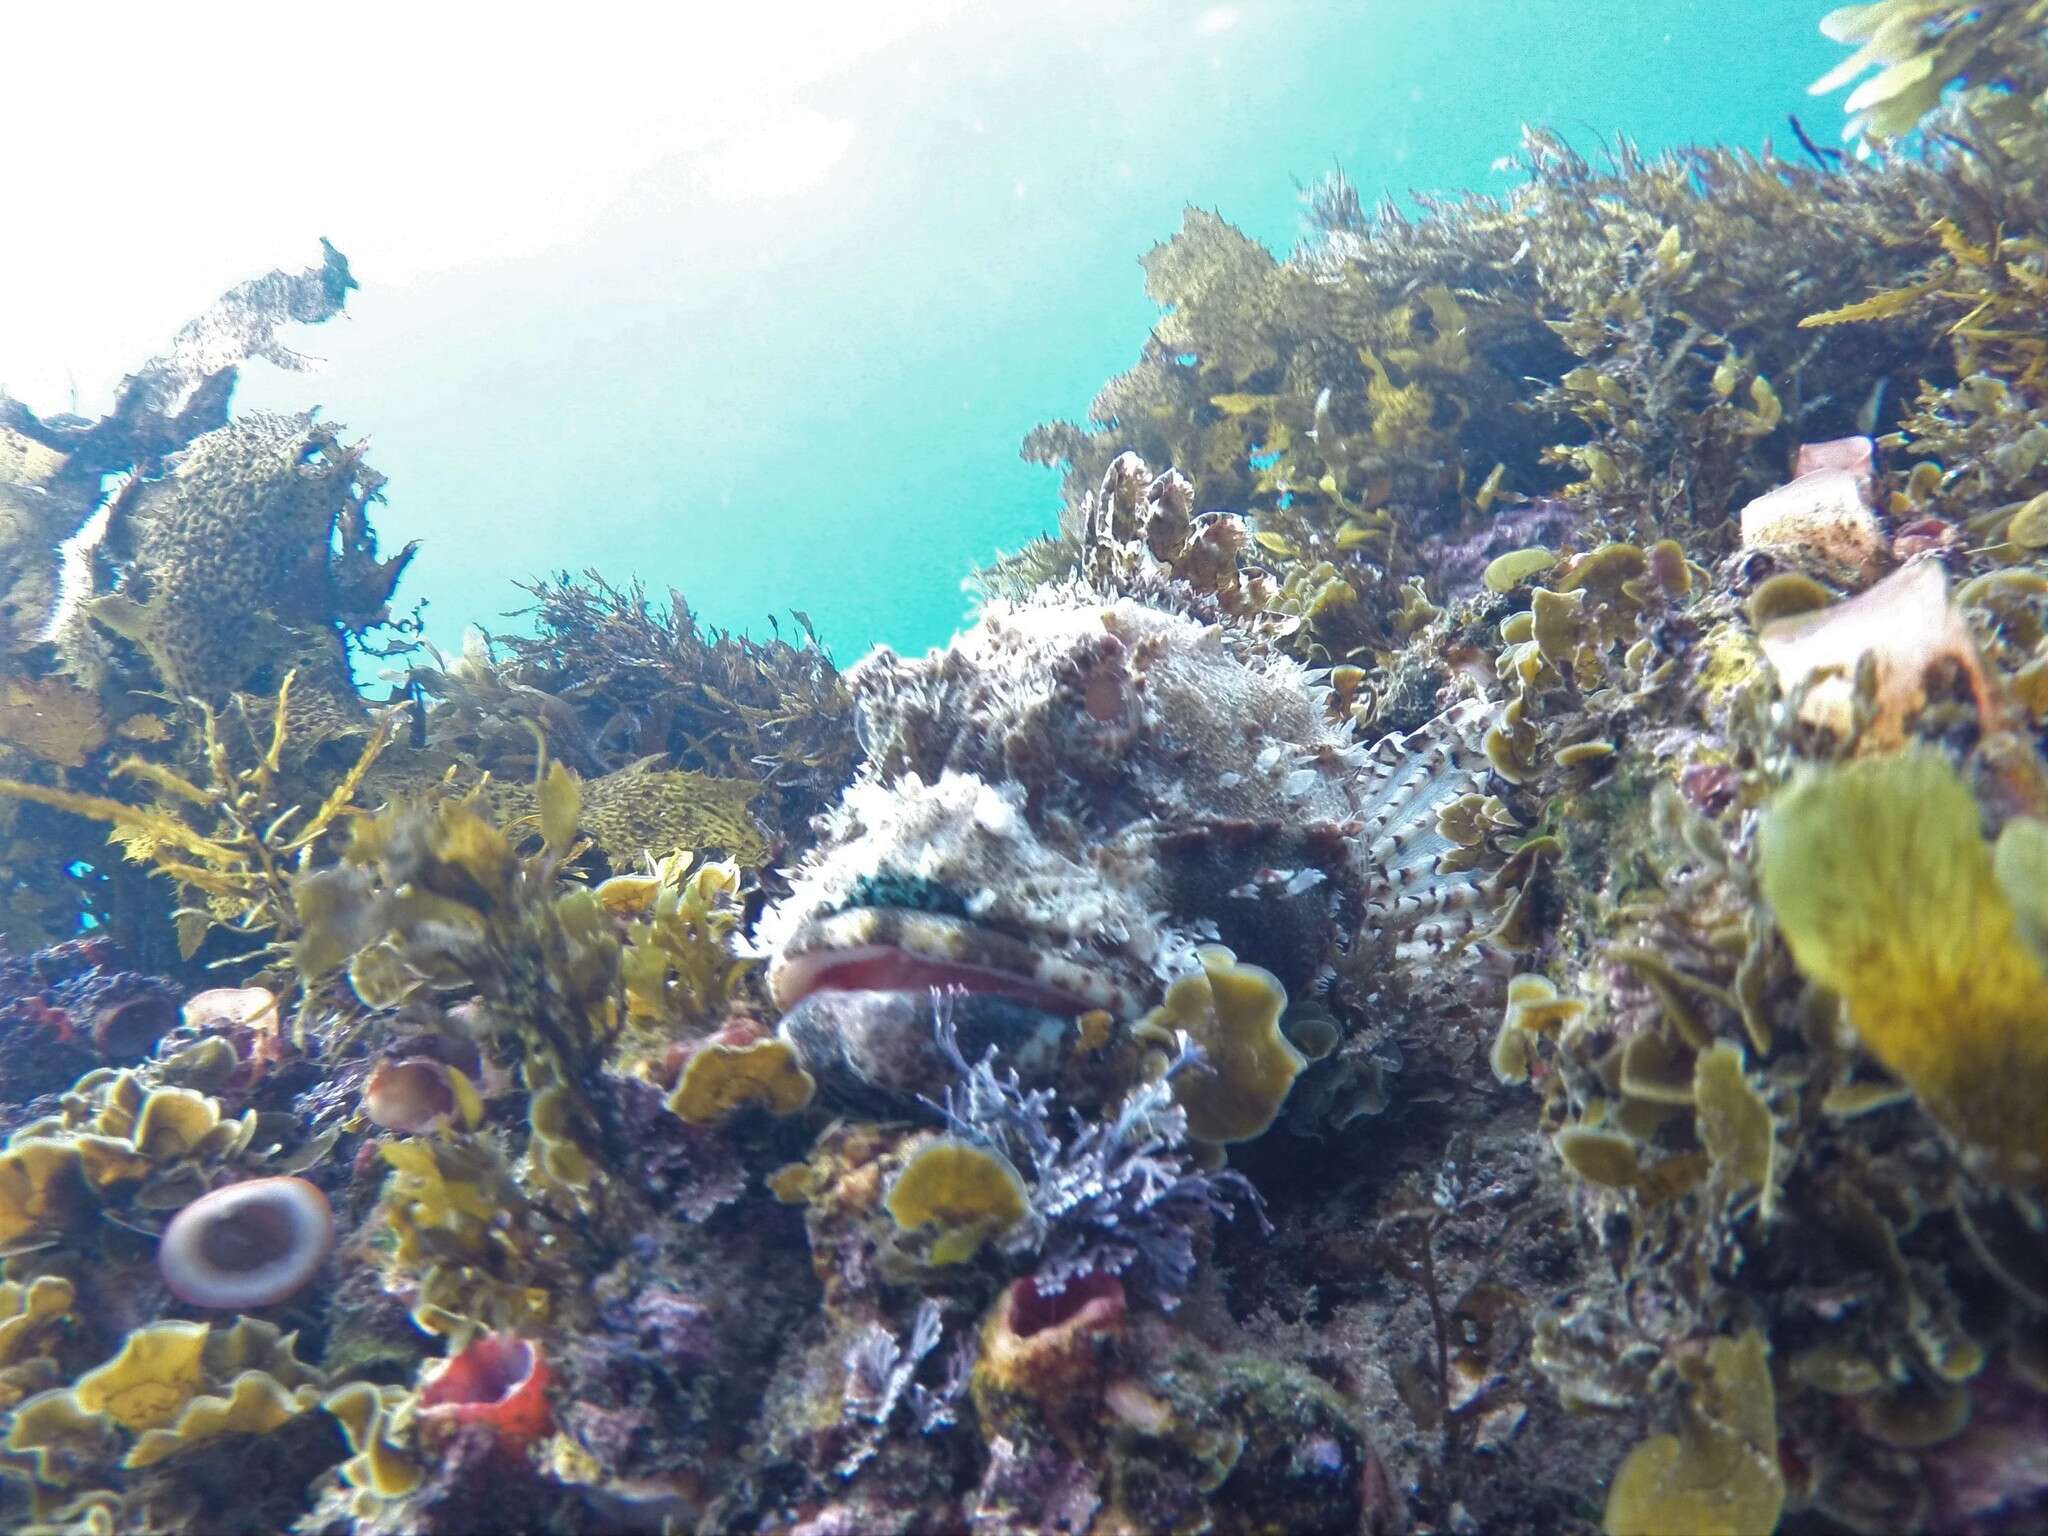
x: 251, y: 1244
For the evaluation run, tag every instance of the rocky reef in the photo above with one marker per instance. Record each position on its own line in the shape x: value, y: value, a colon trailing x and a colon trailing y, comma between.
x: 1463, y: 950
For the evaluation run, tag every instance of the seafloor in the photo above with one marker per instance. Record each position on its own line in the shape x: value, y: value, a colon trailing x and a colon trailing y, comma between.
x: 1465, y: 950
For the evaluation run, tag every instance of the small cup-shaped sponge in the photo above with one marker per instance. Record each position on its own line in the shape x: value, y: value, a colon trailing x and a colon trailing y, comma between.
x: 251, y: 1244
x: 496, y: 1379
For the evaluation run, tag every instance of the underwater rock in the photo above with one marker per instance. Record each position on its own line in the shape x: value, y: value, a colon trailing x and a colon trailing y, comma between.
x: 67, y: 1009
x: 255, y: 526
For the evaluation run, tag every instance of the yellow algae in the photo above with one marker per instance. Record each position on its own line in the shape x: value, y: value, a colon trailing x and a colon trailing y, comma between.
x: 156, y: 1373
x: 254, y: 1404
x: 1888, y: 895
x: 41, y: 1188
x: 1656, y: 1071
x: 377, y: 1468
x: 1506, y: 572
x: 1232, y: 1012
x: 720, y: 1079
x: 1533, y: 1008
x: 33, y: 1320
x: 678, y: 965
x: 628, y: 895
x: 1598, y: 1155
x: 1735, y: 1124
x: 1784, y: 595
x: 553, y: 1155
x: 1719, y: 1475
x: 970, y: 1193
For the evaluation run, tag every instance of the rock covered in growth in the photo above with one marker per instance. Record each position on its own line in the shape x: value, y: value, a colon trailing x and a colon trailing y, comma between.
x: 51, y: 470
x: 1738, y: 1220
x: 255, y: 543
x: 233, y: 548
x: 71, y: 1007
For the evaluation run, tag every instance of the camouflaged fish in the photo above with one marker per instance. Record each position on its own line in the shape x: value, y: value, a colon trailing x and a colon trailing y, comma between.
x: 1058, y: 808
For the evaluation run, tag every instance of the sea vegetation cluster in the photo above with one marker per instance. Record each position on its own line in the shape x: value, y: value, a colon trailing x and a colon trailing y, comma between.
x: 1464, y: 949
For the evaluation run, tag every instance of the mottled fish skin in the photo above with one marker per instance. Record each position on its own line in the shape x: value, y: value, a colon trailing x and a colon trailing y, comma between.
x: 1079, y: 790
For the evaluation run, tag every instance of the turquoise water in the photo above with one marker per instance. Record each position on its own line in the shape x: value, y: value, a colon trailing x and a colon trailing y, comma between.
x: 815, y: 401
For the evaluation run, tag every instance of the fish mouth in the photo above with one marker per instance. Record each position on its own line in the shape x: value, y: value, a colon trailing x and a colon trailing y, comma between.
x: 882, y: 1005
x: 886, y: 949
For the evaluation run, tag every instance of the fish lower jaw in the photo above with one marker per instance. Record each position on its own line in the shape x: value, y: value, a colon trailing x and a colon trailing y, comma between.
x: 883, y: 950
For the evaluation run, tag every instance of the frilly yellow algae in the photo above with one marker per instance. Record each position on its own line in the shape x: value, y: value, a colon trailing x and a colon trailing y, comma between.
x: 1735, y: 1125
x: 41, y: 1189
x: 1888, y: 895
x: 377, y: 1469
x: 61, y: 1439
x: 32, y: 1316
x: 678, y: 965
x: 1232, y: 1012
x: 1719, y: 1475
x: 720, y: 1078
x: 157, y: 1371
x: 254, y: 1404
x: 552, y: 1154
x: 453, y: 901
x: 174, y: 1385
x: 113, y: 1139
x: 970, y: 1193
x: 87, y: 1514
x: 1506, y: 572
x: 1599, y: 1155
x: 1656, y: 1070
x: 1534, y: 1008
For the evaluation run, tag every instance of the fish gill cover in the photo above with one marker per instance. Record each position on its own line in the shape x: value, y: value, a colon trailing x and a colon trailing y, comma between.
x: 1463, y: 950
